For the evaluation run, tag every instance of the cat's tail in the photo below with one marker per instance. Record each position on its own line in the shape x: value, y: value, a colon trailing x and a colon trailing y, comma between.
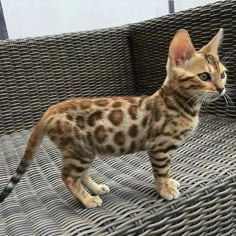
x: 32, y: 146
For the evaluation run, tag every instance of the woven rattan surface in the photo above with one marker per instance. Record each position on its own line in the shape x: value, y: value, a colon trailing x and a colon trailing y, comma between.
x: 35, y: 73
x: 205, y: 166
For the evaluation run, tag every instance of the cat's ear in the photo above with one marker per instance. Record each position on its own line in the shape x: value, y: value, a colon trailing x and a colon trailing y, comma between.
x: 213, y: 45
x: 181, y: 48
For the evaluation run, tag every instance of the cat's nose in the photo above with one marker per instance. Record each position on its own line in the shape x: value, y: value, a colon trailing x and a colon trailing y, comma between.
x: 221, y: 91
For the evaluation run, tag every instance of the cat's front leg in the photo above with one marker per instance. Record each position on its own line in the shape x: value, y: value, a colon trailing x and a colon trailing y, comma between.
x: 166, y: 187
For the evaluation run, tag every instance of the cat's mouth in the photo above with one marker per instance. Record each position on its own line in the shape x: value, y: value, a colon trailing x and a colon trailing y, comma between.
x: 208, y: 97
x: 212, y: 96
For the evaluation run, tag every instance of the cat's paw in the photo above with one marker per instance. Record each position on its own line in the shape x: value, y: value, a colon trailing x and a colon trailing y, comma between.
x: 169, y: 190
x: 92, y: 202
x: 102, y: 189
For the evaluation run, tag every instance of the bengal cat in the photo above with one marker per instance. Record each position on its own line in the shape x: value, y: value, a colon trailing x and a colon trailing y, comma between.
x: 82, y: 128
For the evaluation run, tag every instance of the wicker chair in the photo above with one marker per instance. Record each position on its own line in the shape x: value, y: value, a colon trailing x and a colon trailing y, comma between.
x: 38, y: 72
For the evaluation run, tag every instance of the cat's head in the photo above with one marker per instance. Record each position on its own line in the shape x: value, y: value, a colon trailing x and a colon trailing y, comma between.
x: 197, y: 74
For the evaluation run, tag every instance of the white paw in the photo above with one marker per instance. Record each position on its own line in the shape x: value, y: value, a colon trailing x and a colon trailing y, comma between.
x: 102, y: 189
x: 169, y: 190
x: 93, y: 201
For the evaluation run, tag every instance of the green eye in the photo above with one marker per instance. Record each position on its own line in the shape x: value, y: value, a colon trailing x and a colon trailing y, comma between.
x: 204, y: 76
x: 222, y: 75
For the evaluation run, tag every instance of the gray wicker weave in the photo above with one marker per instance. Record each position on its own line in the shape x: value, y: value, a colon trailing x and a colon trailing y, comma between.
x: 35, y: 73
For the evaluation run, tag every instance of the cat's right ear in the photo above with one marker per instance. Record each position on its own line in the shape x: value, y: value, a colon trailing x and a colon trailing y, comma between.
x: 181, y: 48
x: 212, y: 46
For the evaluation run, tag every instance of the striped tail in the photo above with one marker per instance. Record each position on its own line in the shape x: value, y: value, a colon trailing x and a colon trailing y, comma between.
x: 30, y: 151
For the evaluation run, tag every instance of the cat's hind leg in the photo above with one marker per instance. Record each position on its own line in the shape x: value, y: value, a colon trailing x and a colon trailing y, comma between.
x: 72, y: 171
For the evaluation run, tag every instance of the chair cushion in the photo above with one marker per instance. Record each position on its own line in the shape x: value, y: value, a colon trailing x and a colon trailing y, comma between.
x: 205, y: 166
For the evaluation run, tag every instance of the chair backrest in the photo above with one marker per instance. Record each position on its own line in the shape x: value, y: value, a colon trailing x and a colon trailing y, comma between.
x: 150, y: 41
x: 38, y: 72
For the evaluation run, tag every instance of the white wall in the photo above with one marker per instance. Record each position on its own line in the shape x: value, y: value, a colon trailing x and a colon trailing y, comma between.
x: 27, y: 18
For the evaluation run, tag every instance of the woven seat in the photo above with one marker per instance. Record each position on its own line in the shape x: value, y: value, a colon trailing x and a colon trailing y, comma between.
x: 129, y: 60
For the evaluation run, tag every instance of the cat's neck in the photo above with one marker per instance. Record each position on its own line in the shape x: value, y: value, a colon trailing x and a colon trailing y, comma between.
x: 178, y: 99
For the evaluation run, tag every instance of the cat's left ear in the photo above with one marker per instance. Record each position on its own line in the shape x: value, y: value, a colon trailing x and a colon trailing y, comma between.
x: 213, y: 45
x: 181, y: 48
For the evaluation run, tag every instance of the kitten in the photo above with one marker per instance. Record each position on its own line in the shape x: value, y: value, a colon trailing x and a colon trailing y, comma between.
x: 82, y: 128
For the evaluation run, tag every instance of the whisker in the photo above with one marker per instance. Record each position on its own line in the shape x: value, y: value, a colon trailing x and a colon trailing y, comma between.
x: 231, y: 90
x: 205, y: 107
x: 175, y: 89
x: 198, y: 100
x: 194, y: 96
x: 202, y: 101
x: 227, y: 56
x: 227, y: 104
x: 229, y: 99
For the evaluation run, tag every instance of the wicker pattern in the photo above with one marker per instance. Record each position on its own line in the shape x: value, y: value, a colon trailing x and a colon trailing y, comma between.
x: 35, y: 73
x: 206, y: 168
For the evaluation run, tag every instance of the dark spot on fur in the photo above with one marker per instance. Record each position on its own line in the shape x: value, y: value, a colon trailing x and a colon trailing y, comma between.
x: 110, y: 130
x: 117, y: 104
x: 144, y: 121
x: 90, y: 139
x: 110, y: 149
x: 70, y: 167
x: 24, y: 164
x: 64, y: 141
x: 102, y: 102
x: 148, y: 106
x: 14, y: 180
x: 58, y: 127
x: 133, y: 130
x: 132, y: 147
x: 77, y: 133
x: 73, y: 107
x: 211, y: 60
x: 142, y: 99
x: 119, y: 138
x: 67, y: 127
x: 158, y: 174
x: 130, y: 99
x: 85, y: 104
x: 116, y: 117
x: 150, y: 132
x: 69, y: 117
x: 53, y: 138
x: 174, y: 123
x: 80, y: 122
x: 100, y: 149
x: 97, y: 115
x: 51, y: 131
x: 62, y: 109
x: 50, y: 120
x: 133, y: 112
x: 100, y: 134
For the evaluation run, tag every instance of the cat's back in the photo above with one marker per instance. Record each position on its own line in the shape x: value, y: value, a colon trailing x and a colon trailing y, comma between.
x: 113, y: 123
x: 114, y: 109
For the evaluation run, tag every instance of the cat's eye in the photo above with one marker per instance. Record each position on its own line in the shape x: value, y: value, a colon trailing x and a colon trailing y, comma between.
x: 222, y: 75
x: 204, y: 76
